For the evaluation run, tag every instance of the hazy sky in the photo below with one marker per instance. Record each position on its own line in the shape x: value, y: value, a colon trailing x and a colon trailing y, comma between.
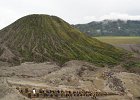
x: 72, y: 11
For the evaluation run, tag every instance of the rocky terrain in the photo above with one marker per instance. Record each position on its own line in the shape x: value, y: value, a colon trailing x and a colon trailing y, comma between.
x: 73, y: 75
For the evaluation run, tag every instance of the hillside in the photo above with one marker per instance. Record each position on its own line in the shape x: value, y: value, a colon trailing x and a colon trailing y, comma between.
x: 111, y: 28
x: 42, y: 38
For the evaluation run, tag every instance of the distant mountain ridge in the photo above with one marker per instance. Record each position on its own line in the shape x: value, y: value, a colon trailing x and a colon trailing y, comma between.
x: 111, y: 28
x: 42, y: 38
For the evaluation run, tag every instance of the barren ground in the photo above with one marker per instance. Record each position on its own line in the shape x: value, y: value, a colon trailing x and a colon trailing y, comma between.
x: 73, y: 75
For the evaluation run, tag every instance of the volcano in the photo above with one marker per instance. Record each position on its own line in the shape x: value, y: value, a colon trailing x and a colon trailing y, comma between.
x: 39, y: 38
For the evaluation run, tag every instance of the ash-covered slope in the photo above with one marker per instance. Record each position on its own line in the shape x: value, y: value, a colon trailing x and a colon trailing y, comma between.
x: 48, y: 38
x: 74, y: 75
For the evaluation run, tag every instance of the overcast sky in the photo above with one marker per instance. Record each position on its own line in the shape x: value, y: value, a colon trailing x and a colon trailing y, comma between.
x: 72, y: 11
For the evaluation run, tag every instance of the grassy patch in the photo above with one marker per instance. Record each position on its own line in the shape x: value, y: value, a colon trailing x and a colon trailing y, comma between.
x: 132, y: 64
x: 119, y: 39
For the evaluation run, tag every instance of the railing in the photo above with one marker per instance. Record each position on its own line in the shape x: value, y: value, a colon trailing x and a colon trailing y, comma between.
x: 47, y: 93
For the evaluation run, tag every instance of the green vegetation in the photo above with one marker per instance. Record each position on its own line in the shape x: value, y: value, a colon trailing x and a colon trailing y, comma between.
x: 42, y: 38
x: 119, y: 39
x: 132, y: 64
x: 111, y: 28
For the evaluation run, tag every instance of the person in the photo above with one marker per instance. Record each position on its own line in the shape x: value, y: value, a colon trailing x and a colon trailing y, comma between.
x: 17, y: 88
x: 26, y: 90
x: 34, y: 91
x: 29, y: 95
